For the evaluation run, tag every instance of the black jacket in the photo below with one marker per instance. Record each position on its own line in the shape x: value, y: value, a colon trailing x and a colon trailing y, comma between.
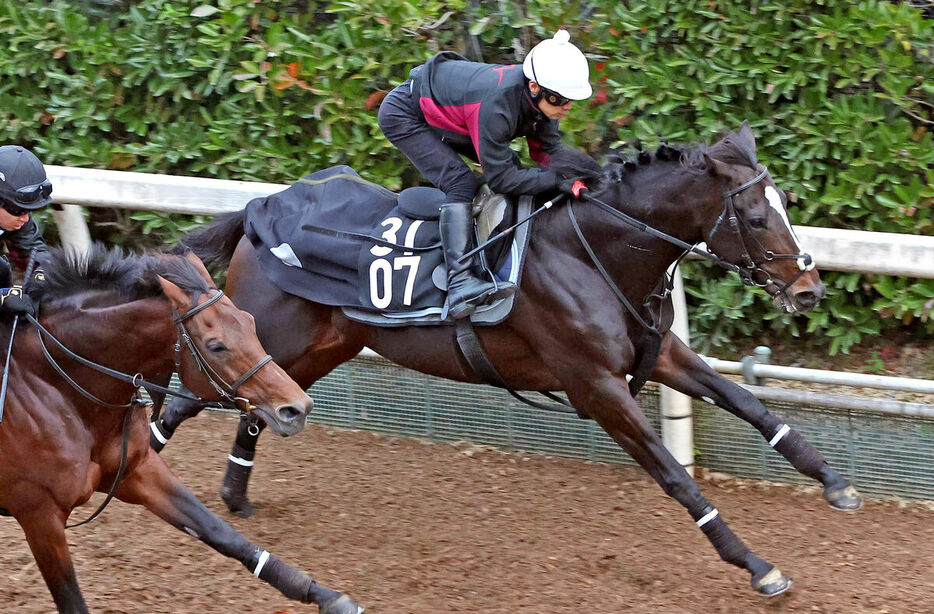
x: 22, y: 241
x: 486, y: 106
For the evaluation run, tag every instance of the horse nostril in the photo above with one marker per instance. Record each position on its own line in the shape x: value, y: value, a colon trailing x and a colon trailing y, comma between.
x: 289, y: 413
x: 806, y: 300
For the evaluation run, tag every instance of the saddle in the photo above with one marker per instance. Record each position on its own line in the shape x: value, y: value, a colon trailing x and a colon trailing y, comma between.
x: 337, y: 239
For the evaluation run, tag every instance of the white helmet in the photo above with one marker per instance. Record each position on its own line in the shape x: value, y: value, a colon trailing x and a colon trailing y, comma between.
x: 557, y: 65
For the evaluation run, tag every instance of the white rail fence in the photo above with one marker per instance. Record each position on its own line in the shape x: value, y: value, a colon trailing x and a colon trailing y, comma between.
x: 837, y: 250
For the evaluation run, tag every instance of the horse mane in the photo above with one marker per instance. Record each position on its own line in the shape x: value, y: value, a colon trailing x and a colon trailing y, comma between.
x: 733, y: 148
x: 128, y: 276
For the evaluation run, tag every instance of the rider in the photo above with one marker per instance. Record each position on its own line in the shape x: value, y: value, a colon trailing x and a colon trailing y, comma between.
x: 451, y: 107
x: 24, y: 187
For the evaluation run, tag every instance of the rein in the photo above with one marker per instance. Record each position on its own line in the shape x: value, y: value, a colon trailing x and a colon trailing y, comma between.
x: 226, y: 391
x: 137, y: 380
x: 30, y: 266
x: 642, y: 226
x: 746, y: 271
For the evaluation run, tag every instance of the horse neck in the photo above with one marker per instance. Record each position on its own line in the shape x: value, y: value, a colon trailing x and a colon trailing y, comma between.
x: 133, y: 337
x: 663, y: 198
x: 672, y: 199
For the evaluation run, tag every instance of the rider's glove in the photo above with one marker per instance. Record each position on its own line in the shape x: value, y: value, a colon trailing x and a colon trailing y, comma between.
x: 13, y: 300
x: 572, y: 187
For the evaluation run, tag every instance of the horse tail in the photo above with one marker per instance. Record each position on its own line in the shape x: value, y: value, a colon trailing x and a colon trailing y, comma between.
x: 216, y: 242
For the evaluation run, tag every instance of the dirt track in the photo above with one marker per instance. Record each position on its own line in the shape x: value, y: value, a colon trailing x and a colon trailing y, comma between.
x: 406, y: 526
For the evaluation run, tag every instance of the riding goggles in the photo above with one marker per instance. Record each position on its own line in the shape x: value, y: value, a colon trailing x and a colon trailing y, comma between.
x: 554, y: 98
x: 27, y: 194
x: 12, y: 209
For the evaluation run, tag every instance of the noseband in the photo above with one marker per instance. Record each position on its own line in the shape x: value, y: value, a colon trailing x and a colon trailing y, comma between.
x: 226, y: 391
x: 751, y: 271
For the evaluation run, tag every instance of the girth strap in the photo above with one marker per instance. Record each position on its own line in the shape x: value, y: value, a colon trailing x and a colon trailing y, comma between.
x: 476, y: 358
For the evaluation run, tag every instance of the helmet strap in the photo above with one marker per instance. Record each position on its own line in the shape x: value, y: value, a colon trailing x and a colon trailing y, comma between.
x: 535, y: 97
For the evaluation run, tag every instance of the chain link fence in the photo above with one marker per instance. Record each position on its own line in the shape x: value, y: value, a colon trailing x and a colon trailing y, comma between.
x: 884, y: 455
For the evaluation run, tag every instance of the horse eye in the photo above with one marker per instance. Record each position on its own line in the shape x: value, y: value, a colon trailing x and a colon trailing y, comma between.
x: 757, y: 222
x: 216, y: 346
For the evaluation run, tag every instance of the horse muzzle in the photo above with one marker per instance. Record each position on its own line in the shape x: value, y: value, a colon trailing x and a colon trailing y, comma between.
x: 287, y: 419
x: 801, y: 301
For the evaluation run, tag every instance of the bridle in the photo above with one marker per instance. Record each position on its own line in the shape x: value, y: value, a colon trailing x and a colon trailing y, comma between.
x: 747, y: 270
x: 651, y: 344
x: 751, y: 271
x: 226, y: 391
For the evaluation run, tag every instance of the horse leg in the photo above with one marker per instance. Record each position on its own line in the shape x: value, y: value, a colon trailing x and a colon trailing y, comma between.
x: 607, y: 400
x: 44, y: 526
x: 306, y: 370
x: 153, y: 485
x: 680, y: 368
x: 177, y: 411
x: 239, y: 468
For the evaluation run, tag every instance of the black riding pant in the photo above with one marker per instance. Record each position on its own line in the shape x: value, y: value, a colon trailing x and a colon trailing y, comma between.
x: 401, y: 120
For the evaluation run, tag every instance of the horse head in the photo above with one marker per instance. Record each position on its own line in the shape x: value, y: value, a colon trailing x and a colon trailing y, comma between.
x: 753, y: 231
x: 222, y: 347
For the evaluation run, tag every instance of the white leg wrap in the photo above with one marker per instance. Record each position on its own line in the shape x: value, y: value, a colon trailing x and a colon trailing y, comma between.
x: 157, y: 434
x: 708, y: 517
x: 240, y: 461
x: 261, y: 563
x: 778, y: 436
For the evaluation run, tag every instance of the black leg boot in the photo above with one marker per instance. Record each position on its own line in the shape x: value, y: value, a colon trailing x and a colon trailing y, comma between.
x: 465, y: 291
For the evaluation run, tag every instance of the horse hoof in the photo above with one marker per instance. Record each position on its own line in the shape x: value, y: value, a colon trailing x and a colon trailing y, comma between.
x: 772, y: 583
x: 341, y: 605
x: 846, y: 499
x: 239, y: 506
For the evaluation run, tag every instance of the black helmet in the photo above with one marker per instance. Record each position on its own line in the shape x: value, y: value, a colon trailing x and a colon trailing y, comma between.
x: 23, y: 181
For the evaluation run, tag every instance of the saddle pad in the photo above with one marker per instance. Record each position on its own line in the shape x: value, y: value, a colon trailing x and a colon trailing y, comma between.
x: 337, y: 239
x: 509, y: 270
x: 317, y: 266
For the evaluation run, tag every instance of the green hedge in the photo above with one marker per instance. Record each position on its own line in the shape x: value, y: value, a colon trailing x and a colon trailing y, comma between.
x: 839, y: 93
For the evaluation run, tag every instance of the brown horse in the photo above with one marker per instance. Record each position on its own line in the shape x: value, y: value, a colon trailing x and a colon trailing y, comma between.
x: 571, y: 328
x: 69, y: 430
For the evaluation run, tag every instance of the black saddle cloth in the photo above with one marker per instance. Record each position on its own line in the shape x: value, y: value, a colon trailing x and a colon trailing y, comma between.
x: 337, y: 239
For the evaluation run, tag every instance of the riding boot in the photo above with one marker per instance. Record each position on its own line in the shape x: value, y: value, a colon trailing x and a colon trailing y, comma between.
x: 465, y: 291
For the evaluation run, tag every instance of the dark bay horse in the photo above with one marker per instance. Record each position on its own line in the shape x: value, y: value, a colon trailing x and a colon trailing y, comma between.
x: 59, y: 444
x: 570, y: 330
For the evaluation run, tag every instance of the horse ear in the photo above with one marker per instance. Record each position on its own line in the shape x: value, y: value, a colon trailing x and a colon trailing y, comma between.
x: 199, y: 266
x: 178, y: 297
x: 745, y: 134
